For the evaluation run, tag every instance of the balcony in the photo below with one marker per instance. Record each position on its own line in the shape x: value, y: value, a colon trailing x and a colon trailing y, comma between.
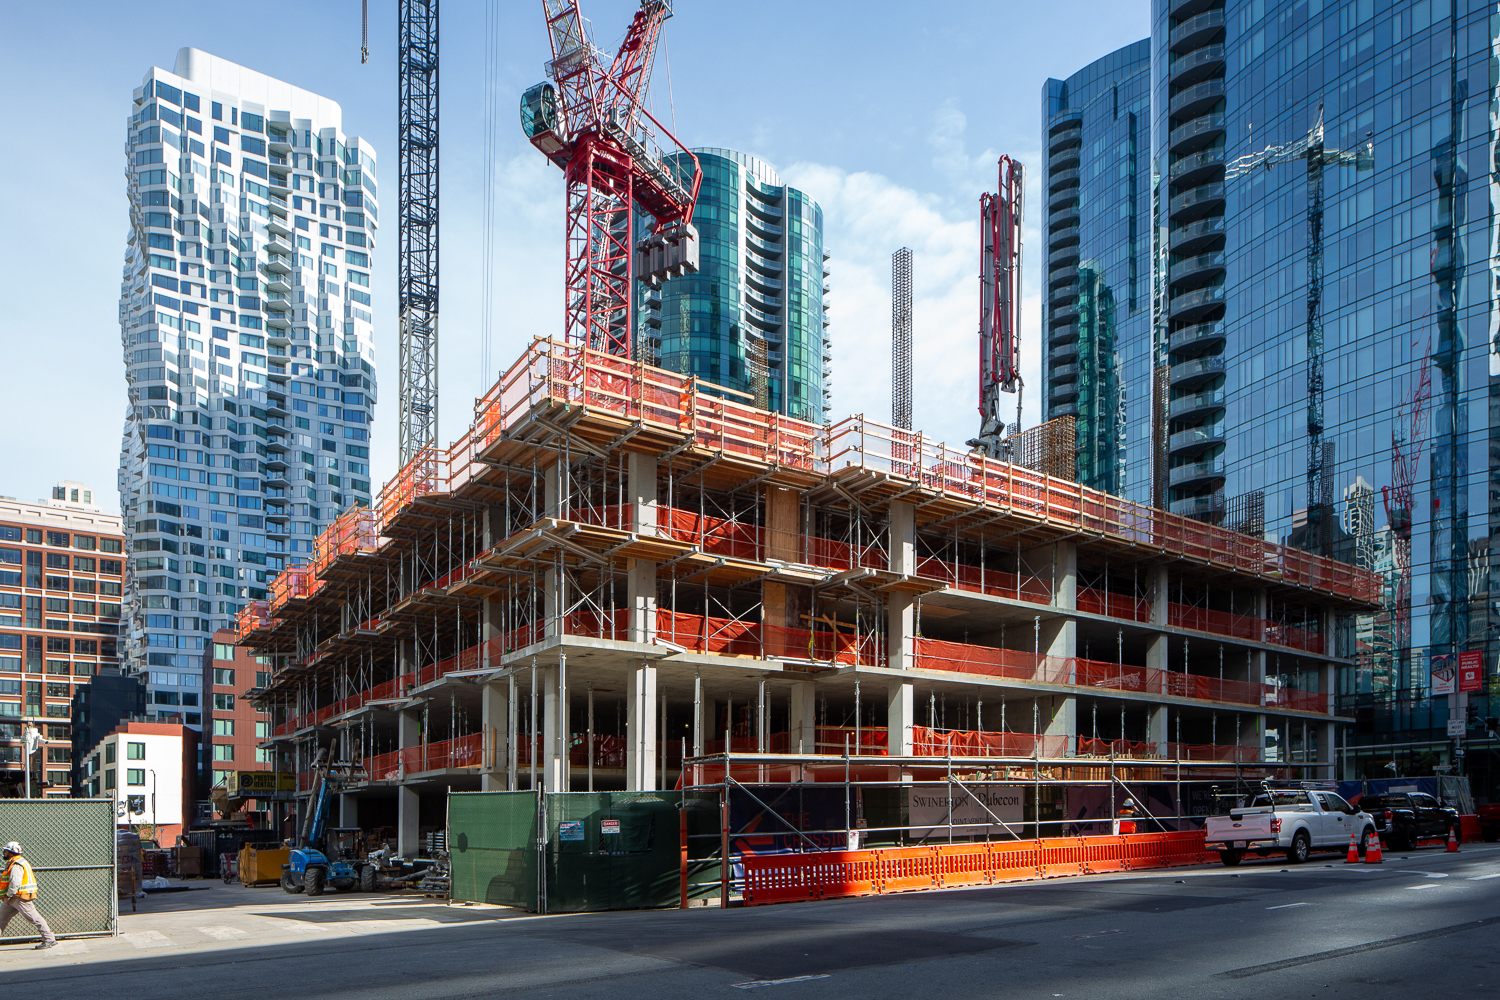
x: 1066, y: 160
x: 1192, y: 67
x: 1202, y: 402
x: 1064, y: 217
x: 1197, y: 134
x: 1200, y: 508
x: 1063, y: 255
x: 1197, y: 31
x: 1195, y: 168
x: 1195, y: 473
x: 1067, y: 133
x: 1190, y: 272
x: 764, y: 229
x: 1062, y: 236
x: 1065, y: 410
x: 1183, y: 9
x: 277, y: 226
x: 763, y: 246
x: 1195, y: 440
x: 1064, y: 203
x: 1196, y: 237
x: 1063, y: 373
x: 1064, y: 335
x: 1063, y: 392
x: 1065, y: 316
x: 1196, y: 305
x: 1060, y: 276
x: 1199, y: 99
x: 1195, y: 203
x: 1197, y: 338
x: 1058, y: 180
x: 1196, y: 372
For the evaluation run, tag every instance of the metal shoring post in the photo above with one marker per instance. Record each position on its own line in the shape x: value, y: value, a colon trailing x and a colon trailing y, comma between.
x: 858, y: 743
x: 697, y: 723
x: 591, y: 736
x: 1036, y: 646
x: 950, y: 794
x: 725, y: 869
x: 848, y: 820
x: 1036, y: 764
x: 563, y: 727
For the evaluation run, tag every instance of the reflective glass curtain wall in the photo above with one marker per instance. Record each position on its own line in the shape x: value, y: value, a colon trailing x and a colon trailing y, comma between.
x: 753, y: 318
x: 1096, y: 134
x: 1390, y: 274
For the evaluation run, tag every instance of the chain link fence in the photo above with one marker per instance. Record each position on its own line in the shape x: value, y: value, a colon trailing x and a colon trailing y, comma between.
x: 71, y: 845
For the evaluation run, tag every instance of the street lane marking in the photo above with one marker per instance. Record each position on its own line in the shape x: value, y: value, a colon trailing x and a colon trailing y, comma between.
x: 1323, y: 956
x: 1427, y: 885
x: 1287, y: 906
x: 756, y: 984
x: 1481, y: 878
x: 1409, y: 871
x: 223, y: 933
x: 1079, y: 937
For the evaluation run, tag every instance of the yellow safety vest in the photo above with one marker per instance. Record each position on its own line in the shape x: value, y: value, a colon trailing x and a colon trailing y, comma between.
x: 24, y: 880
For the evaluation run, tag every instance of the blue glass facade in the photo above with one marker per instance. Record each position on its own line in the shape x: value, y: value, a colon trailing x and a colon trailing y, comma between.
x: 1406, y: 251
x: 753, y: 317
x: 1097, y: 192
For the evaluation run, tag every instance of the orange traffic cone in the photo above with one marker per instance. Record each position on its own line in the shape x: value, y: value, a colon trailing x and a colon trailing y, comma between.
x: 1452, y: 841
x: 1353, y: 858
x: 1372, y: 853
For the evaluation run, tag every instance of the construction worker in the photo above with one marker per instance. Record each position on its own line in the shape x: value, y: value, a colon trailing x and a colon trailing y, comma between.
x: 1126, y: 820
x: 18, y: 894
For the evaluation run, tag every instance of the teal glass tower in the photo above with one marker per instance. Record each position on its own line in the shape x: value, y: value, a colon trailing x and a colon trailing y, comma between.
x: 753, y: 319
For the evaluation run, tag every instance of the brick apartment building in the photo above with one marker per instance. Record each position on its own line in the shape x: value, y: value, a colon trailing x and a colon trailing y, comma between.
x: 233, y: 728
x: 61, y: 580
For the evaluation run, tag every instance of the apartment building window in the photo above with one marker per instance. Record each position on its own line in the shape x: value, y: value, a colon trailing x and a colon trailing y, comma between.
x: 135, y: 776
x: 109, y: 753
x: 109, y: 780
x: 223, y: 751
x: 265, y: 756
x: 59, y: 539
x: 224, y: 703
x: 223, y: 727
x: 223, y: 651
x: 224, y: 676
x: 135, y: 751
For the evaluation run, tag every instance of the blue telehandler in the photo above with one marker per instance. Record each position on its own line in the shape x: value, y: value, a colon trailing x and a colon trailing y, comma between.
x: 314, y: 865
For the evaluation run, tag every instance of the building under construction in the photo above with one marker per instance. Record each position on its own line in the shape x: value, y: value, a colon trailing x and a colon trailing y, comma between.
x: 618, y: 568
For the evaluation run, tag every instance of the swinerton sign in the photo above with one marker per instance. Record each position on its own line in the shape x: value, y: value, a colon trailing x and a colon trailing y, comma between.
x: 929, y: 809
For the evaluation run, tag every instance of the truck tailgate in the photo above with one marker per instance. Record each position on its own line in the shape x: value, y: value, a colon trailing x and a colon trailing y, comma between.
x: 1254, y: 826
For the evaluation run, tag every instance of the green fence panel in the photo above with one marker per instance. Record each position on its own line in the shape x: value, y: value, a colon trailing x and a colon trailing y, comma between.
x: 603, y: 850
x: 71, y: 844
x: 492, y: 845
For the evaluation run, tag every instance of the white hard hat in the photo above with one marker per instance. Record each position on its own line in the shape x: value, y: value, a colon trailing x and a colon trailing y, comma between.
x: 12, y: 848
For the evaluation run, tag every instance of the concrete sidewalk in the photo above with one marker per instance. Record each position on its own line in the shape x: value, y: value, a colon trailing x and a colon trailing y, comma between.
x: 212, y: 916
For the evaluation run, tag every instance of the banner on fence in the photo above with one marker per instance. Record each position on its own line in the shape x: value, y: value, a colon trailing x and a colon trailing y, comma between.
x: 970, y: 804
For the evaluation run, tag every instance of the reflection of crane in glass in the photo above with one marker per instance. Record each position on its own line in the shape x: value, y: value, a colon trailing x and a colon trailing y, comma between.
x: 1398, y: 496
x: 1311, y: 149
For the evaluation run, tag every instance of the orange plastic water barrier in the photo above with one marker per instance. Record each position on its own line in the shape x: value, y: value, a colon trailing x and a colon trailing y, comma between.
x: 790, y: 878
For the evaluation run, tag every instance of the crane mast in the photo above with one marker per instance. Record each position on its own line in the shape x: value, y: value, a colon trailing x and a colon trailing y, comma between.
x: 590, y: 120
x: 417, y: 226
x: 1000, y: 217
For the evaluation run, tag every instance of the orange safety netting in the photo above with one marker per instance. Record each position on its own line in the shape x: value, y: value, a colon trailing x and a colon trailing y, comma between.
x: 706, y: 634
x: 1105, y: 602
x: 717, y: 535
x: 983, y: 580
x: 972, y: 743
x: 841, y: 555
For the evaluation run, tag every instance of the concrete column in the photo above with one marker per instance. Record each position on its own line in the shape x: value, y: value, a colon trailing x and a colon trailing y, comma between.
x: 1064, y: 574
x: 408, y: 801
x: 901, y: 701
x: 491, y: 628
x: 1060, y: 718
x: 641, y: 492
x: 548, y: 757
x: 903, y: 539
x: 803, y: 718
x: 494, y: 712
x: 1160, y: 595
x: 1327, y: 737
x: 640, y: 728
x: 1158, y: 727
x: 901, y: 608
x: 640, y: 587
x: 1158, y: 651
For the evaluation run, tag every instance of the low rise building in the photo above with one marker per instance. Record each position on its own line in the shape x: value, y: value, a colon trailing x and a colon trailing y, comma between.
x: 150, y: 770
x: 61, y: 580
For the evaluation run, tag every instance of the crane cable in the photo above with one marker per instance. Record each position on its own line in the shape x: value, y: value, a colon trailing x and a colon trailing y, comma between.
x: 487, y: 252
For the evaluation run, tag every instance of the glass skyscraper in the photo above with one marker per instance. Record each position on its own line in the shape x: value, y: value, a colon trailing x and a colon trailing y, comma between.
x: 246, y: 325
x: 1339, y: 338
x: 753, y: 317
x: 1097, y: 131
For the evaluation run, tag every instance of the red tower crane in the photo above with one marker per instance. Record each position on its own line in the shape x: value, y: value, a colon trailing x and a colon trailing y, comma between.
x: 590, y: 121
x: 999, y: 305
x: 1398, y: 498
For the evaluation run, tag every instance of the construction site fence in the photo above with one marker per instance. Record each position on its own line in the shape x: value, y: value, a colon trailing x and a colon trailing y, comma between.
x: 71, y: 845
x: 787, y: 878
x: 573, y: 852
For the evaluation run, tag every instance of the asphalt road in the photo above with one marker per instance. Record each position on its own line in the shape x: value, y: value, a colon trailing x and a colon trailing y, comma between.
x: 1421, y: 925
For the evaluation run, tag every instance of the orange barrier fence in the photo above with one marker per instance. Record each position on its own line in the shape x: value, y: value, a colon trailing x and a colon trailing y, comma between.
x: 789, y: 878
x: 251, y: 617
x: 968, y: 743
x: 383, y: 767
x: 982, y: 580
x: 353, y: 532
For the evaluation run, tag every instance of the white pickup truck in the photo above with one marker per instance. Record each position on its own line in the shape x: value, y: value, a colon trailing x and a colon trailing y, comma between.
x: 1296, y: 821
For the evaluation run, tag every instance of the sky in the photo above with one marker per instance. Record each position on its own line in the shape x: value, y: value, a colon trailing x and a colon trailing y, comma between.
x: 889, y: 115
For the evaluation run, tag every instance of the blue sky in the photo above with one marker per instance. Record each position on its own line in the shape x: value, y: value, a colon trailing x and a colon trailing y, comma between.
x: 890, y: 114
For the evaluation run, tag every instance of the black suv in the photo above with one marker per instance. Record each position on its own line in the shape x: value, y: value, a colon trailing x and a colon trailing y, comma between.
x: 1403, y: 818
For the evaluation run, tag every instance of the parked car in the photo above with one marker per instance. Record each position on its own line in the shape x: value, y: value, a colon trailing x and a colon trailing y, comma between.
x: 1293, y: 820
x: 1403, y: 818
x: 1489, y: 822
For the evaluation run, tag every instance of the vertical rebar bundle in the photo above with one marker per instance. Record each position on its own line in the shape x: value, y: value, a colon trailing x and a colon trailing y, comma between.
x: 901, y: 338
